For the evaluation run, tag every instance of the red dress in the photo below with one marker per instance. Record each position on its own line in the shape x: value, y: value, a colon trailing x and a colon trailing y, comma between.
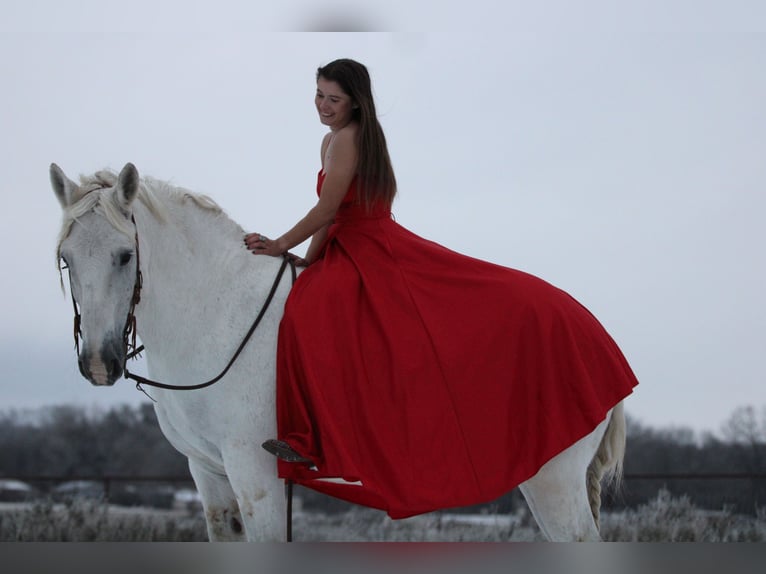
x: 435, y: 379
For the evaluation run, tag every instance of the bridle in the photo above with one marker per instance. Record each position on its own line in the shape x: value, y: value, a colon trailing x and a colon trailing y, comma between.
x: 129, y: 331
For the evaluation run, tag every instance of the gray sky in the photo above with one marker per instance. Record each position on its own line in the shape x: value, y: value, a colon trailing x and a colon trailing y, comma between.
x: 614, y: 149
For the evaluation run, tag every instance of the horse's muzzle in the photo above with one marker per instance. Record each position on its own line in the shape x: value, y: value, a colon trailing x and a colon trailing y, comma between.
x: 104, y: 368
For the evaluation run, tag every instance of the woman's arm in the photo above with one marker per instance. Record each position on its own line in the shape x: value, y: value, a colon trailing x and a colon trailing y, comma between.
x: 316, y: 244
x: 340, y: 169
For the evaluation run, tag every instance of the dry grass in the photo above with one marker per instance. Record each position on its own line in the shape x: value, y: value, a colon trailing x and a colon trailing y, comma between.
x: 676, y: 519
x: 86, y: 520
x: 664, y: 519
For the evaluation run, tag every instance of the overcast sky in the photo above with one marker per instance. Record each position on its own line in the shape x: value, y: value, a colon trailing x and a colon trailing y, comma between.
x: 615, y: 149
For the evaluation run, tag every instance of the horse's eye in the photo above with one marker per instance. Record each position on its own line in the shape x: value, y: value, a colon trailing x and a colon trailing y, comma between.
x: 125, y: 257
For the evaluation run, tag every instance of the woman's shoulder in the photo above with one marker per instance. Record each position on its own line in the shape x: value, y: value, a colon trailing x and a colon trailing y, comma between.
x: 344, y: 140
x: 348, y: 131
x: 346, y: 136
x: 342, y: 145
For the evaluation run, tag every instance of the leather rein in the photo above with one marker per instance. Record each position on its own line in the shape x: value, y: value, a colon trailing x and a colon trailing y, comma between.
x: 129, y: 332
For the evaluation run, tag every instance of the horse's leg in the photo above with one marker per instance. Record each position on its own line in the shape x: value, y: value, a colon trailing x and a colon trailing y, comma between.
x: 558, y: 494
x: 224, y: 521
x: 260, y: 493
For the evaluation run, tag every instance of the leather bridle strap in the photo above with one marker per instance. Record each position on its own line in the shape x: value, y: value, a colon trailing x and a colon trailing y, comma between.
x: 287, y: 260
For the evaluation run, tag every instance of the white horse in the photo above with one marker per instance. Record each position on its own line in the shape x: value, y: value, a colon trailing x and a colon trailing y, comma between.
x: 201, y: 290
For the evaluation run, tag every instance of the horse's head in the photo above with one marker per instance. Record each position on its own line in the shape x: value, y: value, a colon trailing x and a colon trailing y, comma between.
x: 98, y: 245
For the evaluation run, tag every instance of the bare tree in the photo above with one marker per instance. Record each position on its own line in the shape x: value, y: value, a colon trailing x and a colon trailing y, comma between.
x: 746, y: 426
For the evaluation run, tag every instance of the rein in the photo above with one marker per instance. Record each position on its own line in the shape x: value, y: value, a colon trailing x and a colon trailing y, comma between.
x: 144, y: 381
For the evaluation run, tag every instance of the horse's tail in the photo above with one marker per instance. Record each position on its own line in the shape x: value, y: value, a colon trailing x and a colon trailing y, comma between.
x: 607, y: 462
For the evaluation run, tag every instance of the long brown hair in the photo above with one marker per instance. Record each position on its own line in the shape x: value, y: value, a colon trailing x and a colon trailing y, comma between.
x: 376, y: 180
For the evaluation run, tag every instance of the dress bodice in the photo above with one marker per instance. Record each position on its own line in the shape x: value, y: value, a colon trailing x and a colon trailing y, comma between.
x: 350, y: 208
x: 350, y: 194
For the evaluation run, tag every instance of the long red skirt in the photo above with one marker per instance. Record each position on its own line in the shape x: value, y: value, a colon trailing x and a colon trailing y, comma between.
x: 435, y: 379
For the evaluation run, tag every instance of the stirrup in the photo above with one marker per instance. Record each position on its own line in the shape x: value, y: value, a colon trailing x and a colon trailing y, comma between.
x: 284, y: 451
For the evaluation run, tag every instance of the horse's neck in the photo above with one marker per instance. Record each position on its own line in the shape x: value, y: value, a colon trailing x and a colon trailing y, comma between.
x: 199, y: 280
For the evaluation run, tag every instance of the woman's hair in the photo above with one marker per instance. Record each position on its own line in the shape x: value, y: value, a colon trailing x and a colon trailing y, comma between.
x: 376, y: 175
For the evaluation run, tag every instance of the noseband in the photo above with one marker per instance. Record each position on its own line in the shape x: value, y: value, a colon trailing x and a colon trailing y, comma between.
x: 129, y: 332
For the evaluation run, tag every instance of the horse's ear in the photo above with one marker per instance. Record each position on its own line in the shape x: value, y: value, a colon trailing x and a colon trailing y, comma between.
x: 63, y: 187
x: 128, y: 185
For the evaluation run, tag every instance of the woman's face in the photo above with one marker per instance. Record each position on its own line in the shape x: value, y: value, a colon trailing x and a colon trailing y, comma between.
x: 335, y: 107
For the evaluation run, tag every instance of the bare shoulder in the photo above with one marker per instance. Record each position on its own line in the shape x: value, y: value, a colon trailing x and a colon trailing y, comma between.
x: 343, y: 142
x: 341, y: 152
x: 346, y: 135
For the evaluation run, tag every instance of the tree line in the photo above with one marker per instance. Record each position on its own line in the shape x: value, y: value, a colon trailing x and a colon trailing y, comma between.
x: 69, y: 441
x: 739, y: 448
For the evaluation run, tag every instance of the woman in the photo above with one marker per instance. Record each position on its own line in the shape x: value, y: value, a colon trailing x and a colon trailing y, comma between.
x: 423, y: 378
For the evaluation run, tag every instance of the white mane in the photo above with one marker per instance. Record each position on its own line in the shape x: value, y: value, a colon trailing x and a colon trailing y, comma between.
x: 96, y: 193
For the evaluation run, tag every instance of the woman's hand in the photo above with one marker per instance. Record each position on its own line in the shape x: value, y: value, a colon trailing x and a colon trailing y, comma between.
x: 262, y: 245
x: 298, y: 261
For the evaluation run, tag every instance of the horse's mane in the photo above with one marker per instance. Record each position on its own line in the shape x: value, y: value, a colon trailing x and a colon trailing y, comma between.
x: 96, y: 193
